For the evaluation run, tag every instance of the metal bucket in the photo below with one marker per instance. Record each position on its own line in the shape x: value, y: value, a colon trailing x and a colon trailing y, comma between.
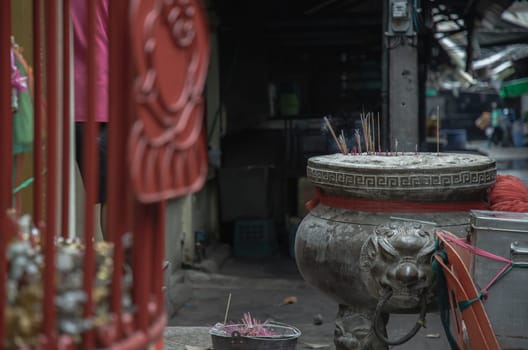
x: 285, y: 338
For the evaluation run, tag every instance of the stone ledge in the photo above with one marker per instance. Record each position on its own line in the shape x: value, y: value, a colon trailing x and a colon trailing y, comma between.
x: 176, y: 338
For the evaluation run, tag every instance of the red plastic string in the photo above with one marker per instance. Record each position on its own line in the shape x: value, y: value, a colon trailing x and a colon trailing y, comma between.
x: 509, y: 194
x: 485, y: 254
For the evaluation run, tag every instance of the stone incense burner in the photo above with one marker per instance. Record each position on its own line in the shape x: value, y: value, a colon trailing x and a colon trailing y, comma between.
x: 369, y: 238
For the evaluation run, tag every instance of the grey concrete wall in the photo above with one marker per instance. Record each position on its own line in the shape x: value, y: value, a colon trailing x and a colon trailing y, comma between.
x: 197, y: 211
x: 184, y: 217
x: 403, y: 97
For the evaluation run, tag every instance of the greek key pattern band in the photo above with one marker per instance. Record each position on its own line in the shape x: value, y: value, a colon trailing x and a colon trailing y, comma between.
x: 461, y: 179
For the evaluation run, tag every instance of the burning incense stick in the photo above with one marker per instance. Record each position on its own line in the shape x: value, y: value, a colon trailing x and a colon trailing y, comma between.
x: 365, y: 132
x: 371, y: 127
x: 379, y: 138
x: 373, y: 132
x: 227, y: 308
x: 329, y: 126
x: 437, y: 129
x: 343, y: 142
x: 358, y: 141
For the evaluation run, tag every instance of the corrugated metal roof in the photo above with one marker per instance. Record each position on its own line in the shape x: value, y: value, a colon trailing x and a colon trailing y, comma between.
x: 499, y: 39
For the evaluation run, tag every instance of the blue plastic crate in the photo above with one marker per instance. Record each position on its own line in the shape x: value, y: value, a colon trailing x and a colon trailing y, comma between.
x: 254, y: 238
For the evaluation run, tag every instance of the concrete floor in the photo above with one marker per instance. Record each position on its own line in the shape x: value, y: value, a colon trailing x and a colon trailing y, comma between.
x: 261, y: 286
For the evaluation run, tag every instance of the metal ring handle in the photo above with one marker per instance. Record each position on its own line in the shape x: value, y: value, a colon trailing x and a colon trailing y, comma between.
x: 377, y: 318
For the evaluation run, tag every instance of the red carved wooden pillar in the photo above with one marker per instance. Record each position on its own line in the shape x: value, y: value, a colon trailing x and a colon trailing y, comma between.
x: 167, y: 147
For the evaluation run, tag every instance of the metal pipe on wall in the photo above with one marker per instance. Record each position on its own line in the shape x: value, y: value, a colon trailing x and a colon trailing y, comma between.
x: 50, y: 229
x: 385, y: 115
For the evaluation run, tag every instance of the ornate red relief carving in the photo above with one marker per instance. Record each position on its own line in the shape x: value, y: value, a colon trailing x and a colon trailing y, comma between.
x: 167, y: 145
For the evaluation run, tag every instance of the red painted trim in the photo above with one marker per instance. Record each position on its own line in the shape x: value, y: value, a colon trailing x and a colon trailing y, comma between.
x: 392, y: 206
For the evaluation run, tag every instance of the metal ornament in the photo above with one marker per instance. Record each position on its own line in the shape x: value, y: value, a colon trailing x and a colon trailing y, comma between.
x: 397, y: 257
x: 23, y: 311
x: 368, y: 240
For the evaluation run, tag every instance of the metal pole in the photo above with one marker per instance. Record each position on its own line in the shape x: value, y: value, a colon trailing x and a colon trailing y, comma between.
x: 6, y: 148
x: 144, y: 224
x: 66, y: 117
x: 159, y: 254
x: 118, y: 126
x: 385, y: 115
x: 37, y: 110
x: 91, y: 169
x: 51, y: 227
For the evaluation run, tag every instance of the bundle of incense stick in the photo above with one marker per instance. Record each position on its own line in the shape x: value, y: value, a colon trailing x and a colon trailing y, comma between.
x: 368, y: 132
x: 368, y: 126
x: 342, y: 141
x: 358, y: 141
x: 437, y: 130
x: 364, y: 128
x: 379, y: 138
x: 227, y: 308
x: 329, y: 126
x: 372, y: 132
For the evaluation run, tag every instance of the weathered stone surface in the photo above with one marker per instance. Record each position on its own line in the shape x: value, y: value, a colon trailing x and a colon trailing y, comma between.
x: 357, y: 256
x: 409, y: 176
x: 176, y: 338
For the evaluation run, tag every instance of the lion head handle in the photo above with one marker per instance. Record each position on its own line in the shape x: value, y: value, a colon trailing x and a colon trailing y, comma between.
x: 397, y: 257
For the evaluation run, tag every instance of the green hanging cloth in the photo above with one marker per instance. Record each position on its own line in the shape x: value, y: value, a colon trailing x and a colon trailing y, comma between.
x: 23, y: 121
